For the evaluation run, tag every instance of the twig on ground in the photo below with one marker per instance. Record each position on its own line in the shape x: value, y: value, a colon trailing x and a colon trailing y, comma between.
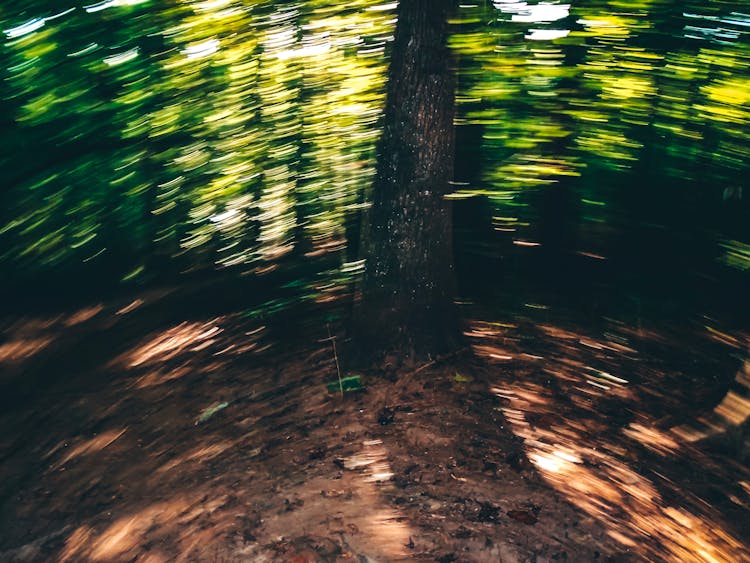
x: 336, y: 357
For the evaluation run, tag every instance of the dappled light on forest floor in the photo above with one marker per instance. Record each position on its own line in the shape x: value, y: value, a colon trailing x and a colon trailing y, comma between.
x: 212, y: 439
x: 169, y: 355
x: 200, y: 444
x: 583, y: 405
x: 659, y: 441
x: 218, y: 438
x: 122, y: 538
x: 350, y: 506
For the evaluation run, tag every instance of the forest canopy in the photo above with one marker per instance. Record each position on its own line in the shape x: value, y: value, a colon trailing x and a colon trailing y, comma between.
x: 141, y: 136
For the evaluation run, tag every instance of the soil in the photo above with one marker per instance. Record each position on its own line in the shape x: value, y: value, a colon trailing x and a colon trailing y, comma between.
x: 133, y: 435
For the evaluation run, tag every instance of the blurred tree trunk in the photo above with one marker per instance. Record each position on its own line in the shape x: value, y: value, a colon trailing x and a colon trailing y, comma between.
x: 409, y: 282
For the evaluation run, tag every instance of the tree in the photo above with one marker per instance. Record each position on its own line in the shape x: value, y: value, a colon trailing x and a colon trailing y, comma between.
x: 409, y: 278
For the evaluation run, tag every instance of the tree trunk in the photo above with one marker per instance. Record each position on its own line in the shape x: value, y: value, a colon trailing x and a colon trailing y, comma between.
x: 409, y: 280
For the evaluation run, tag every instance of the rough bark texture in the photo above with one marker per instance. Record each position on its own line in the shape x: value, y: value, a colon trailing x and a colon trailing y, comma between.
x: 409, y: 280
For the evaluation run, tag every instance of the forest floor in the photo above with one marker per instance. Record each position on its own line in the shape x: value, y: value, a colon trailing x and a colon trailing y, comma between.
x: 129, y: 434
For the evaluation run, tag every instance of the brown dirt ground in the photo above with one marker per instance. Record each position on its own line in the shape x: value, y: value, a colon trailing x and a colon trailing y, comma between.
x: 215, y: 439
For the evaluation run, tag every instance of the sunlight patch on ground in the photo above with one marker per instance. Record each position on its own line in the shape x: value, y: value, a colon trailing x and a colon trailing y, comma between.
x: 91, y: 446
x: 591, y: 475
x: 139, y: 533
x: 29, y: 336
x: 22, y: 349
x: 352, y: 508
x: 493, y: 353
x: 573, y: 447
x: 200, y: 455
x: 557, y: 332
x: 76, y: 543
x: 563, y: 334
x: 383, y: 525
x: 184, y: 337
x: 487, y: 330
x: 735, y: 408
x: 652, y: 438
x: 387, y: 531
x: 122, y: 539
x: 373, y: 458
x: 217, y: 337
x: 158, y: 377
x: 83, y: 315
x: 130, y: 307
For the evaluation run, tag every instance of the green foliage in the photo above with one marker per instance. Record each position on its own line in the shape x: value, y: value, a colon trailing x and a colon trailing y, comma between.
x: 459, y: 378
x: 638, y: 109
x: 214, y: 133
x: 345, y: 384
x: 232, y: 133
x: 208, y: 412
x: 737, y: 254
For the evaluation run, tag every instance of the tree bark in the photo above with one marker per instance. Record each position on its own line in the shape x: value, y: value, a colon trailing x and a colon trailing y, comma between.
x: 409, y: 278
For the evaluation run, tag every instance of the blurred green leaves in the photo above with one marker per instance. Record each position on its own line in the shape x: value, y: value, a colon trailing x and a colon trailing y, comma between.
x: 211, y: 133
x: 234, y: 133
x: 643, y: 105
